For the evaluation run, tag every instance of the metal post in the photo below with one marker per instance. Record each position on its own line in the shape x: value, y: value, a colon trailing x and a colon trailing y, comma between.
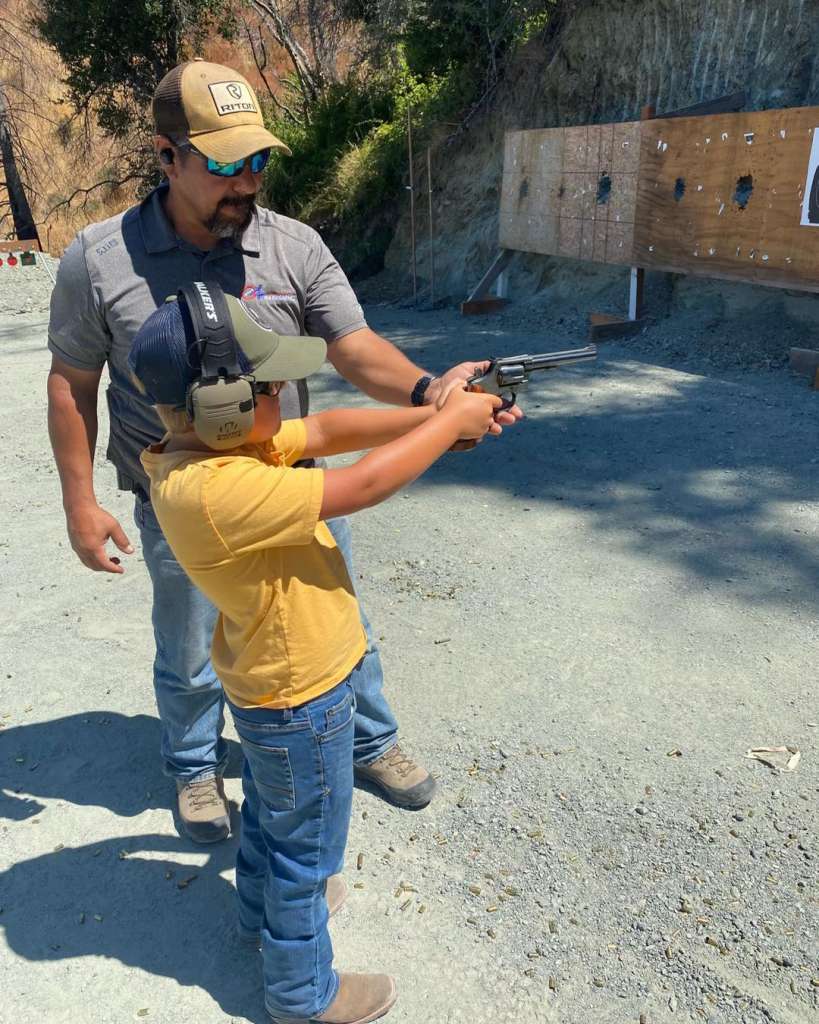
x: 633, y: 289
x: 637, y: 277
x: 431, y: 232
x: 412, y: 207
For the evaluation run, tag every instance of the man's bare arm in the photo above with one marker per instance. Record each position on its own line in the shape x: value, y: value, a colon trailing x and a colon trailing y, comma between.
x: 72, y: 427
x: 376, y: 367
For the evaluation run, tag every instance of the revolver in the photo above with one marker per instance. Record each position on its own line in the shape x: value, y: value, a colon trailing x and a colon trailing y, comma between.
x: 506, y: 376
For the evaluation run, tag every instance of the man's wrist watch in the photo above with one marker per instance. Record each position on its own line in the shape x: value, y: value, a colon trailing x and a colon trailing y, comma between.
x: 420, y: 389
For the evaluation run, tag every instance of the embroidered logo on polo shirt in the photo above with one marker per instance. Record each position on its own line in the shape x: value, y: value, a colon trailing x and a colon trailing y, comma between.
x: 232, y: 98
x: 256, y: 292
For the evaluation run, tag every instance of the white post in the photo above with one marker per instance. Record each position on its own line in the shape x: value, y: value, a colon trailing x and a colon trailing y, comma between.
x: 502, y: 285
x: 632, y: 294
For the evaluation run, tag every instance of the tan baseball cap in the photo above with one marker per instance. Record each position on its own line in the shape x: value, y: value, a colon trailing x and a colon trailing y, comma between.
x: 215, y: 108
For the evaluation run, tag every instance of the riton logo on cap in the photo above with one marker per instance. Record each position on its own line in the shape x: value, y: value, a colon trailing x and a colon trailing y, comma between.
x: 231, y: 98
x: 207, y: 302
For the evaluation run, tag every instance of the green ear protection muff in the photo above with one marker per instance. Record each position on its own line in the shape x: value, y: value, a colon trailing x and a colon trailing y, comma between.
x: 221, y: 402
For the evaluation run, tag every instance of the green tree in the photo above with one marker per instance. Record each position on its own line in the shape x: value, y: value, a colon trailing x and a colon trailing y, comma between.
x: 116, y: 52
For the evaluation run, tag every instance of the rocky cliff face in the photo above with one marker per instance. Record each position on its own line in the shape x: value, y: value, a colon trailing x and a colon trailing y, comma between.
x: 602, y: 60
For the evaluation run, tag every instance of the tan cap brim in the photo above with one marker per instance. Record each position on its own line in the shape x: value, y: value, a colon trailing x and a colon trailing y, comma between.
x: 242, y: 140
x: 274, y: 356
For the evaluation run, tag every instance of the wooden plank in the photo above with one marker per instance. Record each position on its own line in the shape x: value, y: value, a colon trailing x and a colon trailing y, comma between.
x: 560, y: 183
x: 499, y: 264
x: 20, y: 245
x: 718, y: 195
x: 528, y: 213
x: 722, y: 197
x: 804, y: 361
x: 604, y: 326
x: 472, y: 307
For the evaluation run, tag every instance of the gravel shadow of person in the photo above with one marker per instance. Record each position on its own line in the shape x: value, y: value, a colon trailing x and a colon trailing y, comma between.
x: 130, y: 900
x: 95, y: 758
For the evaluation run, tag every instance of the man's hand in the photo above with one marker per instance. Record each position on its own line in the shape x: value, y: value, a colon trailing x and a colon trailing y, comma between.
x: 89, y: 528
x: 440, y: 387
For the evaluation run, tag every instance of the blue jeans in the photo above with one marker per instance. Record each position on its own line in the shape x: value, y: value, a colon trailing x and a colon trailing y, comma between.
x: 298, y: 785
x: 189, y: 695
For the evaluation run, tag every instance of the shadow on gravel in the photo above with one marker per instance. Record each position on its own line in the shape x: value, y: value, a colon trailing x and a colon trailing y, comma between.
x: 100, y: 759
x: 130, y: 900
x: 126, y: 898
x: 687, y: 471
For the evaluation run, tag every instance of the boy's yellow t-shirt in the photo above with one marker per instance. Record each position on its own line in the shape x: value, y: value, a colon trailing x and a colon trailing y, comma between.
x: 244, y: 525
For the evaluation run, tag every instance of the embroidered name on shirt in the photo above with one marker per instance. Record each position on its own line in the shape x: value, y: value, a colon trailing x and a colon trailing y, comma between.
x: 231, y: 98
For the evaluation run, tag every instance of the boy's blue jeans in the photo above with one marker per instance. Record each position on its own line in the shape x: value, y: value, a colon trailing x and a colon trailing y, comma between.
x: 298, y: 785
x: 189, y: 695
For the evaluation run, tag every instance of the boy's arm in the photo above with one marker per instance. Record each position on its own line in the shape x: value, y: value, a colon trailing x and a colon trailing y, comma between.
x: 393, y: 465
x: 352, y: 430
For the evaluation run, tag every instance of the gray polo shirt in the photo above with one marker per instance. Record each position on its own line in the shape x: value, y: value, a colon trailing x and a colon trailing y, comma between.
x: 115, y: 274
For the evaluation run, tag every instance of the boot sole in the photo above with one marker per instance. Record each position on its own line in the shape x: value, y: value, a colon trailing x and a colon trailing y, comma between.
x: 213, y: 832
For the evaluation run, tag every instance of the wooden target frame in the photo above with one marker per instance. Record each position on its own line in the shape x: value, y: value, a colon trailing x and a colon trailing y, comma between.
x: 732, y: 196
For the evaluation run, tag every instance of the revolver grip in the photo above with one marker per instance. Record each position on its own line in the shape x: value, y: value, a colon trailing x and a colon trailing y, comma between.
x: 508, y: 399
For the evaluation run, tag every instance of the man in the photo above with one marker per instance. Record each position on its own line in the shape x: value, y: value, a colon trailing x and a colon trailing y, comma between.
x: 203, y: 223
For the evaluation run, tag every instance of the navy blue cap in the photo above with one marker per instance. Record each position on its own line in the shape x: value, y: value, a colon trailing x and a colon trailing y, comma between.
x: 165, y: 359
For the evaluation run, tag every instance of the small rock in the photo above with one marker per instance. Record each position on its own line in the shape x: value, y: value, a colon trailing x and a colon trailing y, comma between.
x: 782, y: 961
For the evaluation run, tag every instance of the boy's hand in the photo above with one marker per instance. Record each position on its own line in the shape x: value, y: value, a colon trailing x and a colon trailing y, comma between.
x: 459, y: 375
x: 475, y: 412
x: 89, y: 527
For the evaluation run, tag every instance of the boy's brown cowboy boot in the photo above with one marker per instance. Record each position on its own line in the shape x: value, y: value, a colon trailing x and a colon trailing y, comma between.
x: 361, y: 998
x: 203, y: 809
x: 404, y: 782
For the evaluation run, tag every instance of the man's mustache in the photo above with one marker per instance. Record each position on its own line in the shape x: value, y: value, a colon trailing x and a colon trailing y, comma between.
x: 240, y: 202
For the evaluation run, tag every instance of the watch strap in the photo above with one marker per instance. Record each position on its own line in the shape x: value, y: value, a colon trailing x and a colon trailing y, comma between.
x: 420, y: 389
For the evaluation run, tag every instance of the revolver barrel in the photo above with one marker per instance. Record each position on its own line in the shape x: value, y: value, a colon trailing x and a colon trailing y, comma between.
x: 513, y: 371
x: 506, y: 376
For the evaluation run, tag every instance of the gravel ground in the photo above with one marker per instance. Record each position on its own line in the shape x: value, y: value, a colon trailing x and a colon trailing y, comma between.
x: 585, y: 624
x: 26, y: 290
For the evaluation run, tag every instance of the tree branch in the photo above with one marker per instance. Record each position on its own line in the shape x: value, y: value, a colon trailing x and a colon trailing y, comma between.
x: 86, y: 192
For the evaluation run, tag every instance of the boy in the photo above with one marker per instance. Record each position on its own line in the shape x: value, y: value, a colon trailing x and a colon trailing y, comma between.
x: 248, y: 528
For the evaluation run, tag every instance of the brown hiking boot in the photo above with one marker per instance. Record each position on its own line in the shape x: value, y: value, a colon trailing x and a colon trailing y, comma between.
x: 403, y: 782
x: 336, y: 894
x: 361, y: 998
x: 203, y: 809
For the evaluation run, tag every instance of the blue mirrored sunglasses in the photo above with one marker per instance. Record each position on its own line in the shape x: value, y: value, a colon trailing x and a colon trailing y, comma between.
x: 258, y: 162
